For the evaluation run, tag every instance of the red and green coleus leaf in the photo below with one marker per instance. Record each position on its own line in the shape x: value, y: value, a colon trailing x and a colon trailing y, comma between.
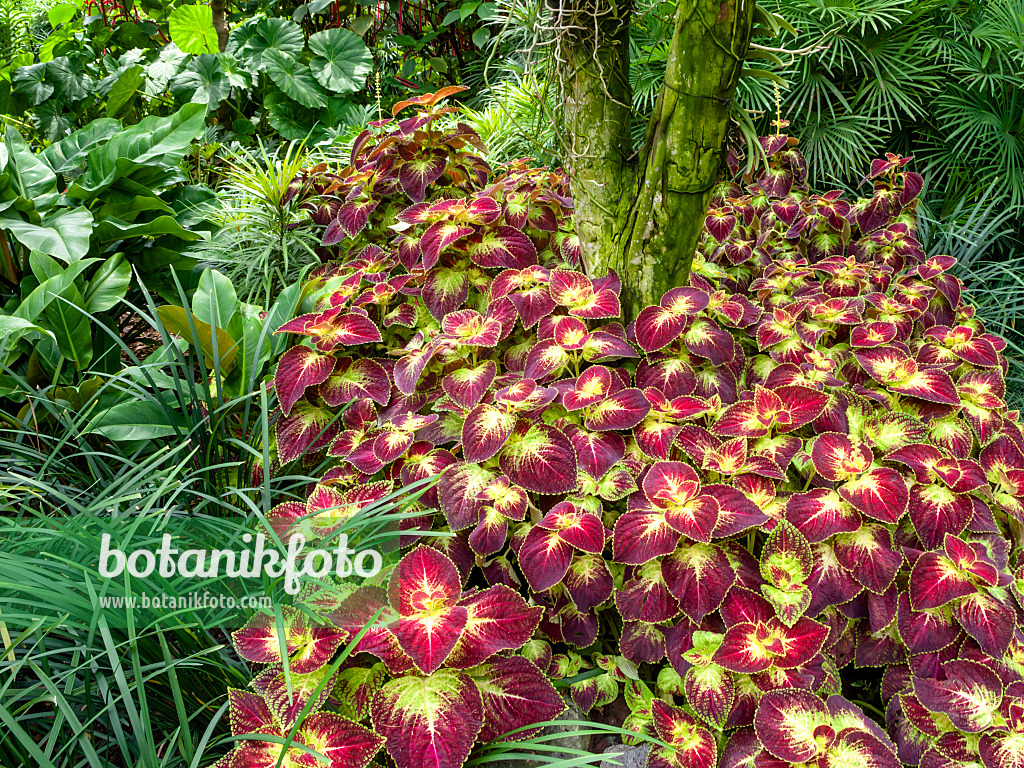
x: 344, y: 743
x: 880, y: 493
x: 689, y: 744
x: 793, y: 725
x: 936, y: 580
x: 821, y: 514
x: 705, y: 339
x: 869, y: 555
x: 645, y: 597
x: 515, y: 694
x: 589, y: 582
x: 485, y: 431
x: 306, y: 428
x: 461, y: 493
x: 583, y: 530
x: 596, y: 452
x: 418, y: 172
x: 837, y: 457
x: 467, y: 386
x: 936, y: 511
x: 424, y: 589
x: 1003, y: 750
x: 657, y: 327
x: 970, y: 695
x: 429, y: 722
x: 248, y: 712
x: 592, y: 386
x: 308, y: 645
x: 672, y: 487
x: 445, y: 291
x: 300, y: 367
x: 963, y: 342
x: 593, y: 692
x: 355, y: 687
x: 641, y: 535
x: 990, y: 618
x: 498, y: 620
x: 468, y: 328
x: 786, y: 557
x: 544, y: 558
x: 502, y: 247
x: 539, y: 458
x: 749, y: 647
x: 699, y: 576
x: 859, y: 749
x: 621, y: 411
x: 288, y: 696
x: 711, y: 692
x: 925, y: 631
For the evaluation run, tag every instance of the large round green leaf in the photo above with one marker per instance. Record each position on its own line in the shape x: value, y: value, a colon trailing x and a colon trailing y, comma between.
x: 342, y: 60
x: 29, y: 82
x: 292, y: 121
x: 294, y: 78
x: 71, y: 78
x: 205, y: 78
x: 128, y: 84
x: 252, y: 40
x: 191, y: 28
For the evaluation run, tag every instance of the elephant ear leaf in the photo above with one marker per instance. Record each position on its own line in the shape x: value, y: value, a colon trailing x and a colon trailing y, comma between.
x: 69, y: 153
x: 152, y: 148
x: 64, y: 235
x: 341, y: 62
x: 294, y: 78
x: 191, y: 28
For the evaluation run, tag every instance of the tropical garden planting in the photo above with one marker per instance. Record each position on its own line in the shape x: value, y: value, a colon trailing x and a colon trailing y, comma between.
x: 664, y: 356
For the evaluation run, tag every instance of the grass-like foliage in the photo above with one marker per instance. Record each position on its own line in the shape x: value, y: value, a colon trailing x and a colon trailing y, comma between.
x: 785, y: 497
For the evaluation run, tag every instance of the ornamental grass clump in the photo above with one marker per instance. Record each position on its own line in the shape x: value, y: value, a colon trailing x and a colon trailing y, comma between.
x: 792, y: 484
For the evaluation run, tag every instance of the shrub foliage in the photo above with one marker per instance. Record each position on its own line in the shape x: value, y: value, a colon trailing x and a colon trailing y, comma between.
x: 793, y: 480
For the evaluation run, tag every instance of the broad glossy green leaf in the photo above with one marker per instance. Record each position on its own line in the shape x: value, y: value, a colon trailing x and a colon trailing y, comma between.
x: 204, y: 81
x: 33, y: 305
x: 69, y: 153
x: 294, y: 78
x: 291, y: 120
x: 64, y: 235
x: 43, y: 267
x: 13, y: 328
x: 342, y: 60
x: 214, y: 302
x: 72, y: 326
x: 61, y: 14
x: 129, y: 84
x: 176, y: 321
x: 70, y: 77
x: 168, y: 64
x: 110, y: 229
x: 250, y: 41
x: 30, y: 82
x: 145, y: 420
x: 156, y: 141
x: 109, y: 285
x: 191, y: 28
x: 30, y: 177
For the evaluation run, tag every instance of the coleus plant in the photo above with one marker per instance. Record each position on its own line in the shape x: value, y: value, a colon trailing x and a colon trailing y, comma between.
x: 797, y: 466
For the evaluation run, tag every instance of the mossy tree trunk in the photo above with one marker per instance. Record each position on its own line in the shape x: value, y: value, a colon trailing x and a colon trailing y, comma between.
x: 641, y: 212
